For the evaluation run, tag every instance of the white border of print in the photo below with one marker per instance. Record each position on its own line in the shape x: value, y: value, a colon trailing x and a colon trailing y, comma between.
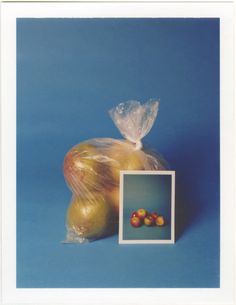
x: 12, y: 295
x: 137, y: 172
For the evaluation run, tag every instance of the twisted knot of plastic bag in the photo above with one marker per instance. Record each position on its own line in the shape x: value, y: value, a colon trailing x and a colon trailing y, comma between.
x: 134, y: 120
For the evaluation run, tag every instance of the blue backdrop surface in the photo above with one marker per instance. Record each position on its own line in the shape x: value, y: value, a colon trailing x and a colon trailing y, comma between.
x: 70, y: 72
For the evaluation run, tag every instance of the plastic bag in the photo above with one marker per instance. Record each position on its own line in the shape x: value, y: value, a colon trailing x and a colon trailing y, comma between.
x: 92, y: 171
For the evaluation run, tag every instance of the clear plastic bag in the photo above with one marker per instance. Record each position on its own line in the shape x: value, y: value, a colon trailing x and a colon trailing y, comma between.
x: 92, y: 171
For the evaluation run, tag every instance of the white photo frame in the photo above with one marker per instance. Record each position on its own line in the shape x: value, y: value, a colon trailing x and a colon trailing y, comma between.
x: 158, y: 179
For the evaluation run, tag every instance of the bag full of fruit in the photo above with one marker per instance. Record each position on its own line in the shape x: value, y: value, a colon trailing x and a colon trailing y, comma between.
x: 92, y: 171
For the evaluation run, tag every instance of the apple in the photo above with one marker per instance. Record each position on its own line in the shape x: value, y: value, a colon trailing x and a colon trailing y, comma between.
x: 134, y: 214
x: 148, y: 220
x: 135, y: 222
x: 85, y: 171
x: 125, y: 157
x: 90, y: 217
x: 81, y: 170
x: 160, y: 221
x: 154, y: 215
x: 142, y: 213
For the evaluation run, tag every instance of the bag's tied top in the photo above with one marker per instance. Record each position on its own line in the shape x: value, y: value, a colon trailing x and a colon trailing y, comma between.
x: 134, y: 120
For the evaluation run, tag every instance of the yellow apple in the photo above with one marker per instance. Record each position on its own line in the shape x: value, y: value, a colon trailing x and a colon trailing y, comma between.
x: 81, y: 169
x: 90, y: 218
x: 160, y: 221
x: 126, y: 157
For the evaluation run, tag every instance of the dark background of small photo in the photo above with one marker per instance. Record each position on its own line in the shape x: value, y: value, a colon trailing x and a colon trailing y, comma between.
x: 152, y: 193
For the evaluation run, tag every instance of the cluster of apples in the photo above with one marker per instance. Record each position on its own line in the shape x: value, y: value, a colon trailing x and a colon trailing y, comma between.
x: 142, y: 216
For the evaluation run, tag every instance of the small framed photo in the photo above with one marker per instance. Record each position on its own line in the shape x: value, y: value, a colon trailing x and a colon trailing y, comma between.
x: 147, y: 207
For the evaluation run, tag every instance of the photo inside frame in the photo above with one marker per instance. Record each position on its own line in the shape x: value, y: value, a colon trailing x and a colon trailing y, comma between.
x: 147, y: 207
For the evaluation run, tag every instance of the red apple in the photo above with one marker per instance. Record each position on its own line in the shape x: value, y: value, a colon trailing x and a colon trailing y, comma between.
x: 134, y: 214
x: 135, y: 222
x: 160, y: 221
x: 142, y: 213
x: 154, y: 215
x: 148, y: 220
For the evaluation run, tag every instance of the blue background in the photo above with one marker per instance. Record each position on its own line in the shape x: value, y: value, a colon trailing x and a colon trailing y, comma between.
x: 152, y: 193
x: 70, y: 72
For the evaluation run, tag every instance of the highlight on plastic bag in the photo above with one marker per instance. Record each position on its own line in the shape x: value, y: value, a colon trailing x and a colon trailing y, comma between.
x: 135, y: 120
x: 92, y: 171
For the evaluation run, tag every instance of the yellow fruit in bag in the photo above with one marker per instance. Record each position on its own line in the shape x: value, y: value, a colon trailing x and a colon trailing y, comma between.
x: 113, y: 198
x: 81, y: 165
x: 90, y: 218
x: 127, y: 158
